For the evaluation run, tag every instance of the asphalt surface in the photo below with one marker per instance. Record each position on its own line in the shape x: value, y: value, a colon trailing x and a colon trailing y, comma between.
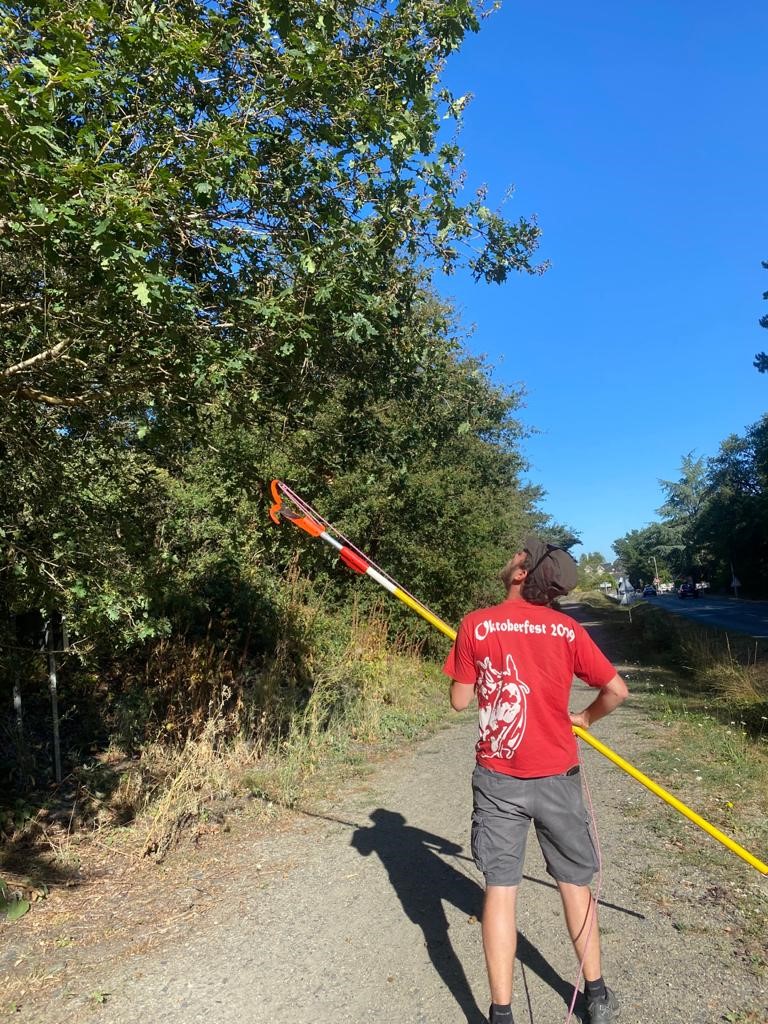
x: 730, y: 614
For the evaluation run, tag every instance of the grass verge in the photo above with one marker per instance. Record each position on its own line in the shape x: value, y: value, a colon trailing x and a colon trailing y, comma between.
x: 708, y: 691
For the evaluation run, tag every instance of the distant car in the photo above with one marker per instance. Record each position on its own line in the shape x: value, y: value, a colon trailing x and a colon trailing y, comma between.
x: 687, y: 589
x: 649, y: 590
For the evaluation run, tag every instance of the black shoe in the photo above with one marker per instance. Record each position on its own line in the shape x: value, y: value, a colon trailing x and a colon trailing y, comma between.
x: 603, y: 1011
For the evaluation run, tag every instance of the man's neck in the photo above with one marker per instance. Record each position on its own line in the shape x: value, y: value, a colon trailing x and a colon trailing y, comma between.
x: 515, y: 593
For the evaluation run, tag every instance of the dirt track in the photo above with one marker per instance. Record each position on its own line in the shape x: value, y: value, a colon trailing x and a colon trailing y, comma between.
x: 368, y: 911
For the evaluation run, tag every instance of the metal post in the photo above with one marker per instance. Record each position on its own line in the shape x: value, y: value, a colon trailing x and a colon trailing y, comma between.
x: 735, y: 582
x: 16, y: 680
x: 50, y: 643
x: 17, y: 702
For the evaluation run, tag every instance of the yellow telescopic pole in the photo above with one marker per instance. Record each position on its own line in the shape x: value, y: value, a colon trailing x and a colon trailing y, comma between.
x: 425, y: 613
x: 630, y: 769
x: 671, y: 800
x: 360, y: 564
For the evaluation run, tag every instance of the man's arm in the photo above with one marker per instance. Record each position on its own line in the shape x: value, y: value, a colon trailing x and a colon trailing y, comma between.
x: 460, y: 667
x: 461, y: 694
x: 611, y: 695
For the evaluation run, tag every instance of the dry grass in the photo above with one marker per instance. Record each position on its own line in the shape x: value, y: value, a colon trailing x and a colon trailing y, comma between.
x: 337, y: 689
x: 304, y: 720
x: 190, y: 781
x: 710, y: 693
x: 737, y: 674
x: 375, y: 691
x: 727, y: 673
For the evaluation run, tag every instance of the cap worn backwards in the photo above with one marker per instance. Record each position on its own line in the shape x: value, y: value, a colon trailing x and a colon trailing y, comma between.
x: 553, y: 570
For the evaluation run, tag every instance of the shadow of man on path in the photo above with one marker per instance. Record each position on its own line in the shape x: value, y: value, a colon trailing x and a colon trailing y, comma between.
x: 422, y: 881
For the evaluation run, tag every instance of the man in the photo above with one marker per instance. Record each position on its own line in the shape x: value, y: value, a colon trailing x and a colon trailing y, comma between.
x: 519, y: 658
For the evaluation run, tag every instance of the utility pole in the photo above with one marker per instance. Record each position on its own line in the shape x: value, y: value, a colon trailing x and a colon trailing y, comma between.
x: 656, y: 578
x: 735, y: 582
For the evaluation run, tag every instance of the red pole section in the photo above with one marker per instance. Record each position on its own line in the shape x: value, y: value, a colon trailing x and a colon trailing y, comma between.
x: 353, y: 561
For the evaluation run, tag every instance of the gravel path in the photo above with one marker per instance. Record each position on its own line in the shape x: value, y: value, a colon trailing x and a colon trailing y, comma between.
x: 368, y: 911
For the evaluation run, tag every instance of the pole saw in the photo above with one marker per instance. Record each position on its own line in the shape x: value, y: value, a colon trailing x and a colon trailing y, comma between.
x: 307, y: 519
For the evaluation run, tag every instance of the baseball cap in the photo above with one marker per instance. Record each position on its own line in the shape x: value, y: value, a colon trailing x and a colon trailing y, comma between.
x: 553, y: 570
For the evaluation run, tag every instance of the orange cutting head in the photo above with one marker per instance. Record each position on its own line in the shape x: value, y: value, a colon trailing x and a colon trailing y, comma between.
x: 276, y: 510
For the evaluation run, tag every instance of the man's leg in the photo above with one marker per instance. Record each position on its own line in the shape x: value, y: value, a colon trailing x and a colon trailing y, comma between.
x: 581, y: 918
x: 569, y: 852
x: 500, y: 822
x: 500, y: 940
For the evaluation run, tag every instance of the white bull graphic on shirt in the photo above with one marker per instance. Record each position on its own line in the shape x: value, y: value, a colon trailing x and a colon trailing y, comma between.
x: 503, y: 707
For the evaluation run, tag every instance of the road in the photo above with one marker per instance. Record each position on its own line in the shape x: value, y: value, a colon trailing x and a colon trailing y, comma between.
x: 748, y: 617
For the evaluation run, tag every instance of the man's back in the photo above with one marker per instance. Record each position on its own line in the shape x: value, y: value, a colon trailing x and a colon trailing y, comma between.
x: 522, y: 658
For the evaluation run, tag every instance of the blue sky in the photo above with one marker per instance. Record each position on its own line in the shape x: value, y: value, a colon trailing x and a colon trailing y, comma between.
x: 636, y: 133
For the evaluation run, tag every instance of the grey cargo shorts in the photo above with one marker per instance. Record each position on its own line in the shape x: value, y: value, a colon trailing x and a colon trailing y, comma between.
x: 504, y: 807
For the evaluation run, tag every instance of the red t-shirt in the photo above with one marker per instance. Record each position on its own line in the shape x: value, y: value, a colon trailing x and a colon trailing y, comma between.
x: 521, y: 658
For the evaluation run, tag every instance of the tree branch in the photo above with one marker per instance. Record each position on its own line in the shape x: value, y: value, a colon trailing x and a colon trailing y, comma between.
x: 33, y: 395
x: 41, y: 357
x: 11, y: 307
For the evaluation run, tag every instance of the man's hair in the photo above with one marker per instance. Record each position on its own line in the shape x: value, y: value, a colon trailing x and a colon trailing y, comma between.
x: 534, y: 593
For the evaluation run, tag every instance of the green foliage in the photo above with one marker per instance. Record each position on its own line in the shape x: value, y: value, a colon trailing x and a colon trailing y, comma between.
x: 636, y: 552
x: 190, y: 188
x: 761, y: 358
x: 715, y: 519
x: 205, y: 208
x: 675, y: 543
x: 734, y: 524
x: 592, y: 571
x: 218, y: 225
x: 12, y: 906
x: 680, y: 515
